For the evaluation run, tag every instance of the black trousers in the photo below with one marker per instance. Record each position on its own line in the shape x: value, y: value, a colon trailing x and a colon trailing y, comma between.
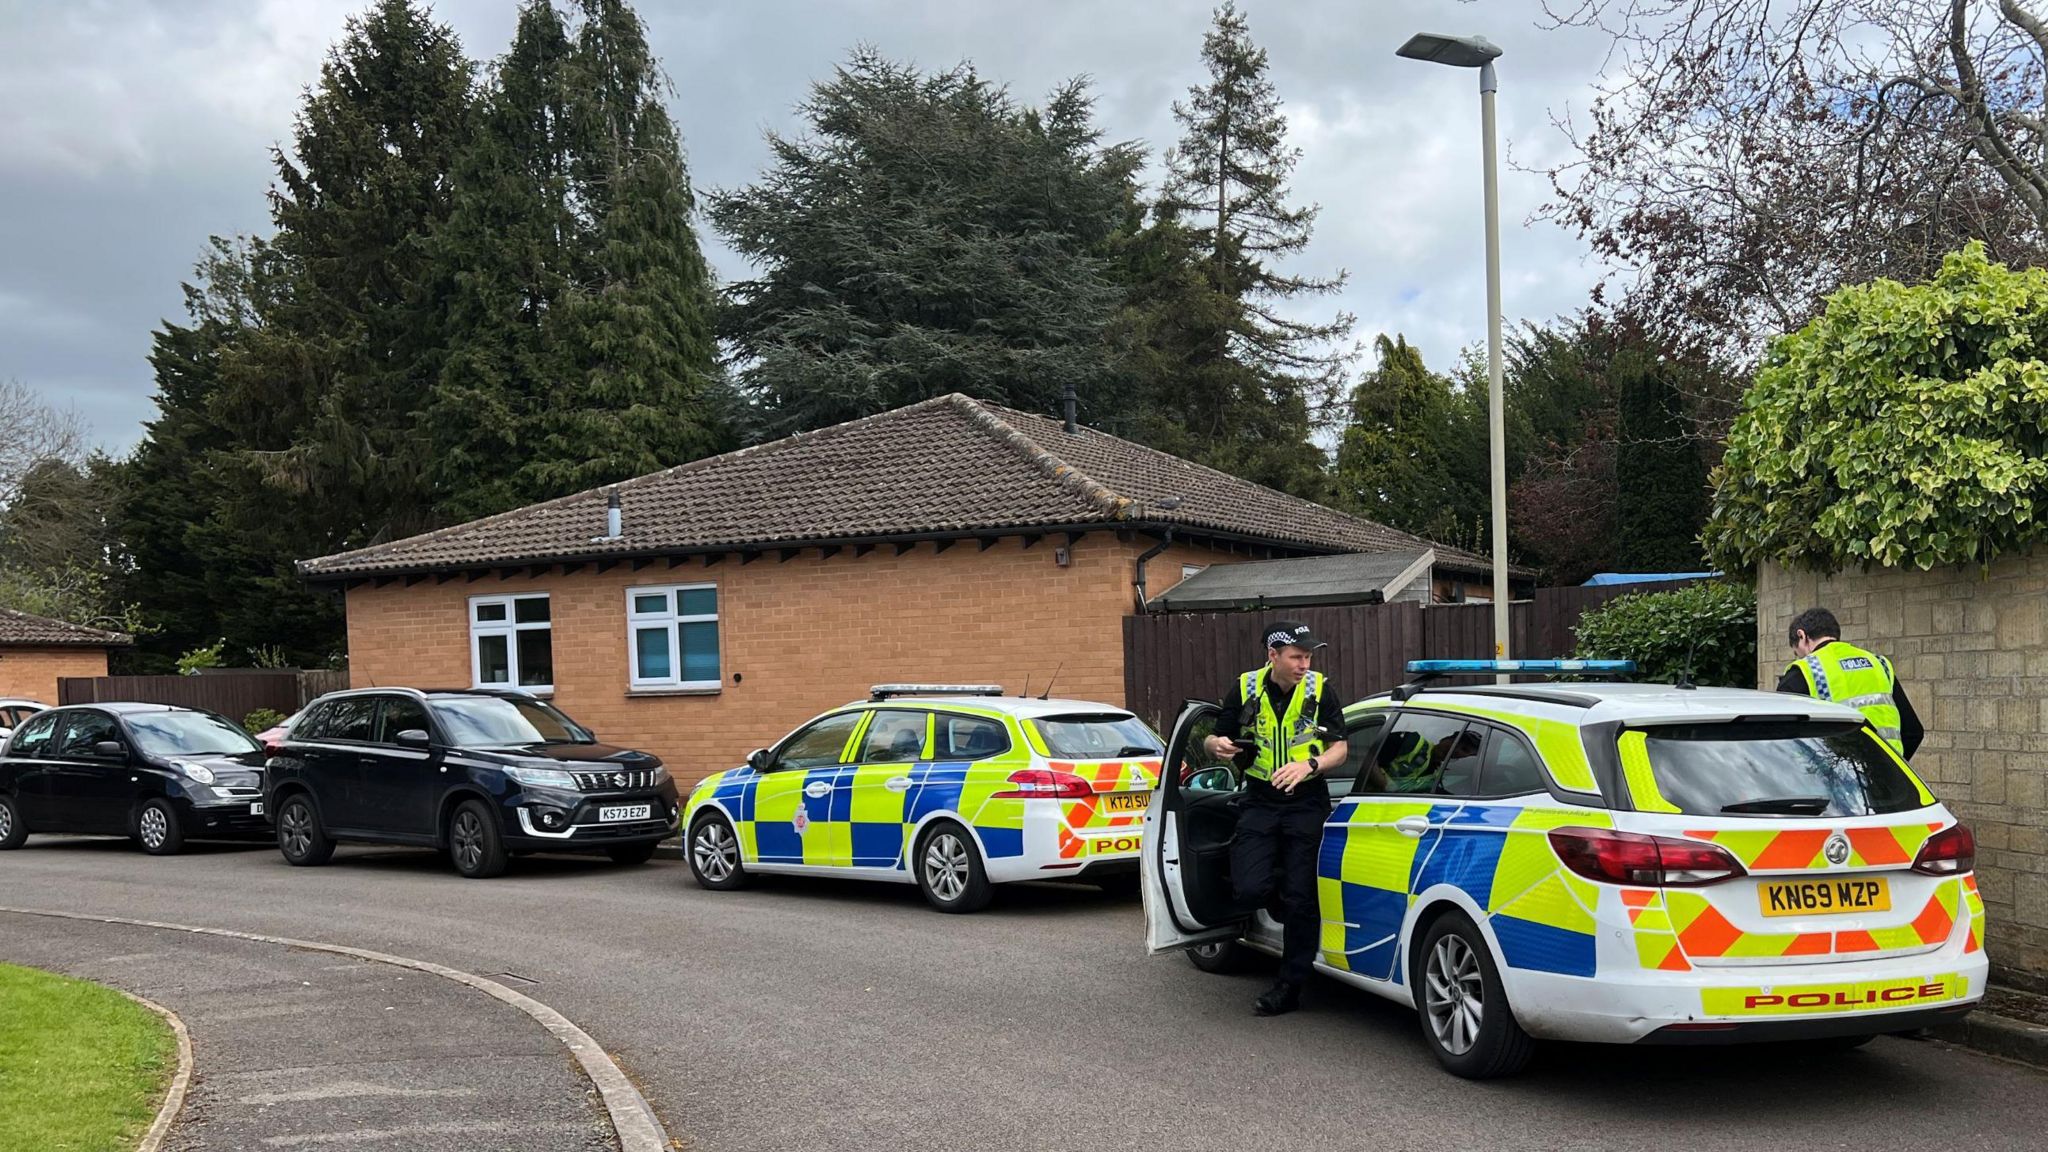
x: 1274, y: 855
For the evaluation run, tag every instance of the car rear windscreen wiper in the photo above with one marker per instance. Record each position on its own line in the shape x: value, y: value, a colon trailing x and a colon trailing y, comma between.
x: 1135, y: 750
x: 1787, y: 805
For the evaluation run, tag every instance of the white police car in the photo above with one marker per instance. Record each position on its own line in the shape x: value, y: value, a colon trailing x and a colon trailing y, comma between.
x: 1628, y: 863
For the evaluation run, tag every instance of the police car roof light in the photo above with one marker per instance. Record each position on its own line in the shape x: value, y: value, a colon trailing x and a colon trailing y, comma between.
x: 888, y: 691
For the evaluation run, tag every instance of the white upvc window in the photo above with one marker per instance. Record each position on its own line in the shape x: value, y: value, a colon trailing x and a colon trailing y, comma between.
x: 672, y: 636
x: 512, y: 642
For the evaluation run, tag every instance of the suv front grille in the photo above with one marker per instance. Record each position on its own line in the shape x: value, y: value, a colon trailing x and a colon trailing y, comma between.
x: 620, y: 780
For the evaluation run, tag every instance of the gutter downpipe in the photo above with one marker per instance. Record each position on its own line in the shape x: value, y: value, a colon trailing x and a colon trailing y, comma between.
x: 1138, y: 584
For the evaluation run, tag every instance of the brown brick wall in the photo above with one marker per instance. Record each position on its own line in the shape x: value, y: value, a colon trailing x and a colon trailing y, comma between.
x: 802, y: 636
x: 33, y: 672
x: 1971, y: 650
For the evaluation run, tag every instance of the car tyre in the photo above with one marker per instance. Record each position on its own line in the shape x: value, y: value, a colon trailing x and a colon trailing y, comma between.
x: 631, y: 853
x: 158, y: 829
x: 714, y: 854
x: 1221, y: 957
x: 474, y: 843
x: 300, y: 838
x: 949, y: 869
x: 12, y: 831
x: 1466, y: 1019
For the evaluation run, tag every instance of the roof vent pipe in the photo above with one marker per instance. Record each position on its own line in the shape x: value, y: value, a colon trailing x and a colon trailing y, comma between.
x: 1068, y: 403
x: 613, y: 527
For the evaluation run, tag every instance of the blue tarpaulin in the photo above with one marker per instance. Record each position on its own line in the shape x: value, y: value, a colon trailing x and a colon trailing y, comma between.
x: 1606, y: 578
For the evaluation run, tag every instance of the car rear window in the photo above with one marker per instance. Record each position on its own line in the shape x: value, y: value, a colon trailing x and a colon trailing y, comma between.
x: 1774, y: 770
x: 1109, y: 736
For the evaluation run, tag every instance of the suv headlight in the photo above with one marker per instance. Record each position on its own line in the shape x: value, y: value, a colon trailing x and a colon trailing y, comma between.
x: 543, y: 777
x: 196, y: 772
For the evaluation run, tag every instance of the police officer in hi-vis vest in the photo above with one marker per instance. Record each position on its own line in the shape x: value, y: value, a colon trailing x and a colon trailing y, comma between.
x: 1831, y: 670
x: 1284, y: 726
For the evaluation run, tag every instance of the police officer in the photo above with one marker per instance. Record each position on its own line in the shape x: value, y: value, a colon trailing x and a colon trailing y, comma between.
x: 1283, y: 724
x: 1829, y: 669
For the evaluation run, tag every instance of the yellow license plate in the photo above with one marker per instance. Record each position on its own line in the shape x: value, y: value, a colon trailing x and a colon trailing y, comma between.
x: 1122, y: 802
x: 1818, y: 897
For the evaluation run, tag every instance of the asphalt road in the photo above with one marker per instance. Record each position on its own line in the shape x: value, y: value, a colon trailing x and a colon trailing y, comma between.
x: 827, y: 1015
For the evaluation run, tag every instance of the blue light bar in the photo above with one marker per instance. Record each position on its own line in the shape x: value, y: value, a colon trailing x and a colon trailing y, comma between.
x: 1488, y: 667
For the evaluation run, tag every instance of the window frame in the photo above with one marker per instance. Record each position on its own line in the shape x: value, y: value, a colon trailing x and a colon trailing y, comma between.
x: 861, y: 754
x: 783, y: 746
x: 55, y: 716
x: 940, y: 747
x: 509, y: 628
x: 1499, y: 737
x: 59, y: 752
x: 673, y: 619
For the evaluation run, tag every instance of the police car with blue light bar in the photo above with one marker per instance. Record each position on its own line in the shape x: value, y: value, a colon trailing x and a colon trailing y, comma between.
x: 1591, y: 860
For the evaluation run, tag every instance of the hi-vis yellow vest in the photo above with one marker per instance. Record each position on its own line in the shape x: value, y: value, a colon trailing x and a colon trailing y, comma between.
x: 1863, y: 680
x: 1299, y: 724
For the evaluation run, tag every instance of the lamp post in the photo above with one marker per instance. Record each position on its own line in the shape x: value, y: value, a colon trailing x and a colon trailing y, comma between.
x: 1478, y: 52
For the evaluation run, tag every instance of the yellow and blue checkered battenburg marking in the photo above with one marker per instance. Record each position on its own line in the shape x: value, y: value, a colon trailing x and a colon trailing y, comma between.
x: 1499, y: 856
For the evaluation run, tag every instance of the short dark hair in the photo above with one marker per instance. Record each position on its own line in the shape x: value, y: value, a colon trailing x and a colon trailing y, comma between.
x: 1815, y: 622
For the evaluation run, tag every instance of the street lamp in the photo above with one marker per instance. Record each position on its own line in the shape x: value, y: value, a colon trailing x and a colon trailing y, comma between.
x: 1478, y: 52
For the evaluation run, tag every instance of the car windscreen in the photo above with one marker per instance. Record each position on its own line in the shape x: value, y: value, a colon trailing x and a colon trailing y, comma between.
x: 497, y: 722
x: 187, y: 734
x: 1777, y: 769
x: 1104, y: 736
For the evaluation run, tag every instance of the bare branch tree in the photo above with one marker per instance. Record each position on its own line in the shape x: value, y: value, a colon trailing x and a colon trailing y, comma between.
x: 34, y: 432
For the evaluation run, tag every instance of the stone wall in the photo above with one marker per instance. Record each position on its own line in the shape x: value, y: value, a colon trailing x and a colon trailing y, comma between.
x: 1971, y: 649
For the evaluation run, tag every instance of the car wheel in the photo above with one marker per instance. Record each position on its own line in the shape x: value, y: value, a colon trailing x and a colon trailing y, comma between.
x: 631, y: 853
x: 715, y: 854
x: 474, y: 843
x: 1221, y: 957
x: 949, y: 870
x: 158, y: 830
x: 1466, y: 1019
x: 12, y: 831
x: 299, y: 835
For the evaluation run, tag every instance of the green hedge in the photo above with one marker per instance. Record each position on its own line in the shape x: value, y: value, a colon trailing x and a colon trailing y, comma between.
x: 1714, y: 623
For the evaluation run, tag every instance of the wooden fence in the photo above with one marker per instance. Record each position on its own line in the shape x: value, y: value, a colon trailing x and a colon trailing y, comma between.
x: 1173, y: 657
x: 233, y: 693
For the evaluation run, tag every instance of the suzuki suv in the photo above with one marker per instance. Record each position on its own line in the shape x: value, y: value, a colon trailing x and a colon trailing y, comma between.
x: 479, y: 775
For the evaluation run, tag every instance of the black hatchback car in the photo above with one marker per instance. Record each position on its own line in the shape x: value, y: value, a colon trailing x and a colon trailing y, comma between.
x: 151, y: 772
x: 479, y: 775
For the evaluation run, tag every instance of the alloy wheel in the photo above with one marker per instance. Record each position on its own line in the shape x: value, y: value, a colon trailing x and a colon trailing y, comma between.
x: 154, y: 827
x: 1454, y: 994
x: 713, y: 850
x: 469, y: 841
x: 946, y: 867
x: 298, y: 830
x: 6, y: 821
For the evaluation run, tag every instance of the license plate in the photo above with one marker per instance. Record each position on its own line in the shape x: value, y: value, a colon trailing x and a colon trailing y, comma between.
x: 1818, y: 897
x: 256, y: 808
x: 1119, y: 802
x: 618, y: 812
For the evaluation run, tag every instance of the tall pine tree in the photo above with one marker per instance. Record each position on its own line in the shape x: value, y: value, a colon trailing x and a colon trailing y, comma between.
x: 1660, y: 500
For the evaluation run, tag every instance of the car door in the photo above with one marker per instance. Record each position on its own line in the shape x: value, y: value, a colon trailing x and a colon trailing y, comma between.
x: 30, y: 762
x: 793, y: 800
x: 893, y: 746
x: 398, y: 789
x: 91, y: 792
x: 1184, y: 868
x: 334, y: 763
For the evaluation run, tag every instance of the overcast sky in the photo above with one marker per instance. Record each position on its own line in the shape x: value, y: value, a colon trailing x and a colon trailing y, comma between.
x: 130, y: 131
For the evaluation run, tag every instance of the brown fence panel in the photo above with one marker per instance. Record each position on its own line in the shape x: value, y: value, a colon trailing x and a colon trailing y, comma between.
x: 319, y: 682
x: 233, y: 696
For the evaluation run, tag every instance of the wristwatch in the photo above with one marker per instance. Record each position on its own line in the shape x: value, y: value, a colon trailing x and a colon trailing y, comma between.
x: 1315, y: 766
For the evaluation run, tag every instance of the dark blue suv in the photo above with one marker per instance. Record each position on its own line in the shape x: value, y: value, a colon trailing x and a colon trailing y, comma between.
x: 479, y: 775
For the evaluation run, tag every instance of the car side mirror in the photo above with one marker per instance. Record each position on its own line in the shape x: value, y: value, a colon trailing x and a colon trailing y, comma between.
x: 414, y: 738
x: 759, y: 760
x: 111, y: 749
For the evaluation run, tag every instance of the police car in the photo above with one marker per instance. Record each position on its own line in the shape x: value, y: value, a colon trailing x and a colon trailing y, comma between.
x: 1609, y: 862
x: 952, y: 788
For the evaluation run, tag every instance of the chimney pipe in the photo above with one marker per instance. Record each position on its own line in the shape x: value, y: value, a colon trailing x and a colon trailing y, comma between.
x: 1068, y: 403
x: 613, y: 528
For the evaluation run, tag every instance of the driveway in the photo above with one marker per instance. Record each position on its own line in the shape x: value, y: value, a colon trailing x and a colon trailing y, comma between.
x: 825, y: 1015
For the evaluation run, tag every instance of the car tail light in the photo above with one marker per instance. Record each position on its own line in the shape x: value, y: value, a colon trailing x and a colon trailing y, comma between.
x: 1650, y: 861
x: 1949, y: 852
x: 1043, y: 783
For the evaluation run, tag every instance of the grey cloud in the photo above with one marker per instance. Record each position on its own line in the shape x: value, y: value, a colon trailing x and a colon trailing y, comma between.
x: 130, y: 131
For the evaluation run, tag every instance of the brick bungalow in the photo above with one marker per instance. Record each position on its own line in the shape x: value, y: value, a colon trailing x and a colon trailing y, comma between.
x: 732, y: 598
x: 35, y: 652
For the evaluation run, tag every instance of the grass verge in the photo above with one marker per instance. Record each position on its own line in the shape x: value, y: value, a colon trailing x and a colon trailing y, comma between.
x: 82, y: 1067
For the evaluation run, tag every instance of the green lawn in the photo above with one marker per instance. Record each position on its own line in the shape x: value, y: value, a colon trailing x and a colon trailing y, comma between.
x: 82, y: 1067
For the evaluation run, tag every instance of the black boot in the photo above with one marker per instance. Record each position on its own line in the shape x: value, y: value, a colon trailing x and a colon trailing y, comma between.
x: 1282, y: 997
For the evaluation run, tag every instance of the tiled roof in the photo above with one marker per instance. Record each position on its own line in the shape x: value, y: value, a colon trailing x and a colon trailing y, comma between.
x: 950, y: 465
x: 23, y: 630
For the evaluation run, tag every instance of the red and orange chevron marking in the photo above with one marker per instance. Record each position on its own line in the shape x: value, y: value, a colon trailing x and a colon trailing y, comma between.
x: 1083, y: 814
x: 1799, y: 849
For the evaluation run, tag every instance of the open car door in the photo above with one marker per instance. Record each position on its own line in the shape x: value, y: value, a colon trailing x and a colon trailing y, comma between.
x: 1189, y: 826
